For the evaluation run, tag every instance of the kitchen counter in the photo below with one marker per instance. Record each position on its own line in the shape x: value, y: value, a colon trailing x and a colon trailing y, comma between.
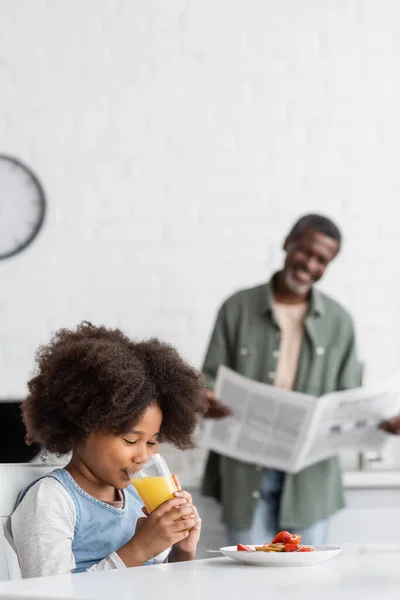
x: 372, y: 511
x: 371, y: 479
x: 360, y: 572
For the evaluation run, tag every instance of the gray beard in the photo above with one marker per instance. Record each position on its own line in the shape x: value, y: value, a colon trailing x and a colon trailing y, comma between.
x: 297, y: 288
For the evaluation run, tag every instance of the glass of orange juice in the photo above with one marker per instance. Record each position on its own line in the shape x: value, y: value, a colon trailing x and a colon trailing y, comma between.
x: 154, y: 482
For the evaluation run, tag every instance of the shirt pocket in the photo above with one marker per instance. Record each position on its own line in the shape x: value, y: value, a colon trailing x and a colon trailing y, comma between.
x: 248, y: 358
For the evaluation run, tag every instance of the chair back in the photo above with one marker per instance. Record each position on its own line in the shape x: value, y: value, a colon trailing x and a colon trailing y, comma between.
x: 13, y: 478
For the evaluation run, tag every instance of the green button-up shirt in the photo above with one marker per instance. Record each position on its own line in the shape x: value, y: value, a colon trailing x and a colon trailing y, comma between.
x: 246, y: 338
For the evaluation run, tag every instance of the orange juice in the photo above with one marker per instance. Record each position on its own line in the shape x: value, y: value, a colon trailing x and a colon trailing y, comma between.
x: 155, y: 490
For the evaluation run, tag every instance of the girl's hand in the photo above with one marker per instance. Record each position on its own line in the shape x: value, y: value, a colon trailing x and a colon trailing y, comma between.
x: 166, y: 526
x: 185, y: 549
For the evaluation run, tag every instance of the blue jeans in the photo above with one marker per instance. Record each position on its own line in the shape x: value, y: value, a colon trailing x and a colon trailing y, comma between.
x: 265, y: 523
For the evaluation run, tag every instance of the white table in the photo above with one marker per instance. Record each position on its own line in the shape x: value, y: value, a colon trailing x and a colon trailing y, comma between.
x: 360, y: 572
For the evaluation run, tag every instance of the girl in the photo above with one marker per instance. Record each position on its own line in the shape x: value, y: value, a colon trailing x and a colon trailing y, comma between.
x: 109, y: 401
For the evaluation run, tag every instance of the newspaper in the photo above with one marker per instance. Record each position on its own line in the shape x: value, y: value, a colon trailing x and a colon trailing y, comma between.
x: 289, y: 431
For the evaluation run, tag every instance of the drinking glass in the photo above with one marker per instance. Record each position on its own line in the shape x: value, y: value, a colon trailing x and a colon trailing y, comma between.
x: 154, y: 482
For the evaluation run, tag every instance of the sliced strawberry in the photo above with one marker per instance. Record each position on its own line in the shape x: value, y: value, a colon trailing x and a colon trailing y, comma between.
x: 243, y: 548
x: 284, y: 537
x: 291, y: 547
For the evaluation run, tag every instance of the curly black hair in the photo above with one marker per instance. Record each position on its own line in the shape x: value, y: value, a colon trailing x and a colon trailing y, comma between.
x: 97, y: 379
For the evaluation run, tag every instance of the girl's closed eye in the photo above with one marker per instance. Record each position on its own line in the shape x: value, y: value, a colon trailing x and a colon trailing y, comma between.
x: 131, y: 443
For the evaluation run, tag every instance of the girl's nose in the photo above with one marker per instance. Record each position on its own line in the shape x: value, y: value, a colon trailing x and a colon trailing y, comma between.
x: 141, y: 455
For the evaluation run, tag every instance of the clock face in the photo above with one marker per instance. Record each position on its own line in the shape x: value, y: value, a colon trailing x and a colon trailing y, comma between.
x: 22, y: 206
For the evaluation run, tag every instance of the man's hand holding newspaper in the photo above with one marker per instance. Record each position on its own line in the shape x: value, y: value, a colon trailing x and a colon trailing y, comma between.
x: 216, y: 410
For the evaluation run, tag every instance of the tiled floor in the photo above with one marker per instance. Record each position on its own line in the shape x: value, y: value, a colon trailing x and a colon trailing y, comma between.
x: 212, y: 532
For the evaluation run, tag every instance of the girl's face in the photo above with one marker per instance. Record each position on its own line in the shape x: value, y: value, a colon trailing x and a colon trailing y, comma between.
x: 109, y: 457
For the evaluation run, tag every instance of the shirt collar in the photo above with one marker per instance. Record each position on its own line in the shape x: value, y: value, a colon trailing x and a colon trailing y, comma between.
x: 316, y: 308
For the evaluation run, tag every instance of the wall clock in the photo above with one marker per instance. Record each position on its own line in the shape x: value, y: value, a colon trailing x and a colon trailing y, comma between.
x: 22, y: 206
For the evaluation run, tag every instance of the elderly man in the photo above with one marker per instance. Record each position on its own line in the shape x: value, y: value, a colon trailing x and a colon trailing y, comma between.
x: 290, y: 335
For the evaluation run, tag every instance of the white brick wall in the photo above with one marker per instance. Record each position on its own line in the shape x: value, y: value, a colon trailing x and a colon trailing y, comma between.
x: 177, y: 141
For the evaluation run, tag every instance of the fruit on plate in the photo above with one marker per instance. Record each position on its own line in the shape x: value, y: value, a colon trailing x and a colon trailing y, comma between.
x: 243, y: 548
x: 284, y: 537
x: 291, y: 547
x: 284, y: 541
x: 283, y: 548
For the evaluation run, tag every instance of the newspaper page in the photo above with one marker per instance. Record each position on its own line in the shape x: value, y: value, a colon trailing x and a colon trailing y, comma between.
x: 288, y: 431
x: 349, y: 420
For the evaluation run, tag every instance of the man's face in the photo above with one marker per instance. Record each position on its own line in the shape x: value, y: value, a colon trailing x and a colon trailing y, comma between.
x: 307, y: 257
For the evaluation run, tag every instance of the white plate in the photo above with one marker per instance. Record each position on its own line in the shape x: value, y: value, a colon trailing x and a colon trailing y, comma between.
x: 282, y: 559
